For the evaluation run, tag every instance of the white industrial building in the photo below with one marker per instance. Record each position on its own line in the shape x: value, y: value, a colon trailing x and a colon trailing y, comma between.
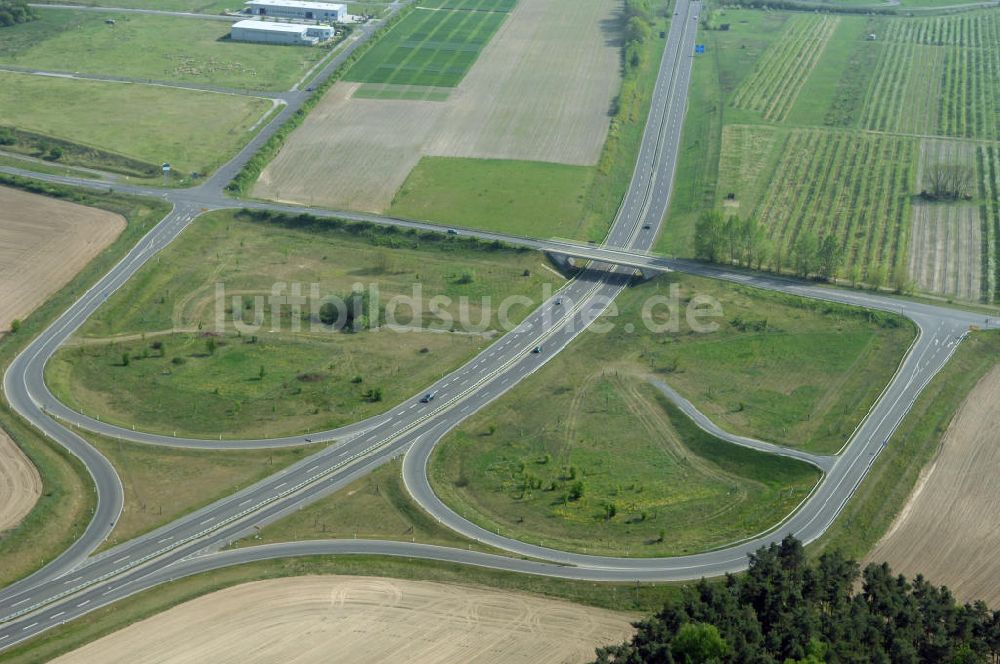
x: 298, y: 9
x: 269, y: 32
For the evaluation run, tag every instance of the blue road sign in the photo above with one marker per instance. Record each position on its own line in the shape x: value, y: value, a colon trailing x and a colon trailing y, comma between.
x: 699, y: 48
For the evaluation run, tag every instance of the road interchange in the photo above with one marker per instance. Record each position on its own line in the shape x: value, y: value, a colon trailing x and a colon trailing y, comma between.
x: 75, y: 583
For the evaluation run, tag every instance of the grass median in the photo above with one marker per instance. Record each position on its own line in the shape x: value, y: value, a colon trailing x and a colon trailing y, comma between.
x: 587, y: 455
x: 155, y: 357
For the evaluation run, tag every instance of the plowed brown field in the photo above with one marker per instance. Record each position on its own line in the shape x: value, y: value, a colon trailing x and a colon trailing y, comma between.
x: 948, y: 529
x: 20, y: 484
x: 43, y: 243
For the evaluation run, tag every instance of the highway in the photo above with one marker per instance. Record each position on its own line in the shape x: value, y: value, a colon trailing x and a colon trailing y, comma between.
x: 77, y: 583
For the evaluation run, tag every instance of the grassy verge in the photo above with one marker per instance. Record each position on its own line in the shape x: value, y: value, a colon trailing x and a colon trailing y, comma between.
x: 245, y: 179
x: 891, y: 480
x: 518, y: 197
x: 621, y: 597
x: 585, y: 454
x: 165, y: 483
x: 616, y: 471
x: 157, y: 356
x: 376, y: 506
x: 193, y: 131
x: 47, y: 167
x: 67, y: 499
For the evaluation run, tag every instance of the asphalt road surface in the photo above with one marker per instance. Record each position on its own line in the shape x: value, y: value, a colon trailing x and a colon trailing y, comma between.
x: 76, y: 583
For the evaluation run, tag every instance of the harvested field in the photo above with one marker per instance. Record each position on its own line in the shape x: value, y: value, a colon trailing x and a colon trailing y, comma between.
x: 20, y: 485
x: 540, y: 91
x: 947, y: 531
x: 362, y: 619
x: 350, y: 153
x: 44, y: 242
x: 945, y: 250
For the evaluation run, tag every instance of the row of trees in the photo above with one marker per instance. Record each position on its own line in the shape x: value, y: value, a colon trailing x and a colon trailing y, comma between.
x: 744, y: 242
x: 788, y: 609
x: 13, y: 12
x: 638, y: 29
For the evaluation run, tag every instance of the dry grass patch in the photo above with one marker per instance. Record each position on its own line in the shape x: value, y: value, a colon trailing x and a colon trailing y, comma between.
x: 363, y: 619
x: 542, y: 89
x: 350, y: 153
x: 947, y: 531
x: 20, y: 485
x: 44, y: 242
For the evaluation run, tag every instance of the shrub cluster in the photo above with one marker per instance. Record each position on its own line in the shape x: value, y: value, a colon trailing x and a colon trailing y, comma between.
x: 13, y: 12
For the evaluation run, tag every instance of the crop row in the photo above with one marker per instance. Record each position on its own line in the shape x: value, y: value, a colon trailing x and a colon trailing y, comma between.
x: 852, y: 185
x: 988, y: 157
x: 782, y: 70
x: 903, y: 96
x: 434, y: 48
x: 969, y: 99
x: 978, y: 30
x: 945, y: 91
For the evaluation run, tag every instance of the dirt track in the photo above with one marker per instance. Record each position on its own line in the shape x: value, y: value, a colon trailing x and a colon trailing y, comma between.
x: 44, y: 242
x: 361, y: 619
x: 20, y: 484
x: 948, y: 529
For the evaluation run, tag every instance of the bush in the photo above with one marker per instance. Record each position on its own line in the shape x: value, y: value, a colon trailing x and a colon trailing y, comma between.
x: 13, y: 12
x: 15, y: 325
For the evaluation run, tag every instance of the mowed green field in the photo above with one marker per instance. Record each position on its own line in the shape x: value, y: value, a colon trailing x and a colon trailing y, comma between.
x: 517, y: 196
x: 193, y: 131
x: 790, y: 371
x: 199, y: 6
x: 187, y: 374
x: 433, y: 47
x: 160, y: 48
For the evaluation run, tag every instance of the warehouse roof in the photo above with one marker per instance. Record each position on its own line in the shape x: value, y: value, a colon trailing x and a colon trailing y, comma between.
x: 301, y: 4
x: 269, y: 26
